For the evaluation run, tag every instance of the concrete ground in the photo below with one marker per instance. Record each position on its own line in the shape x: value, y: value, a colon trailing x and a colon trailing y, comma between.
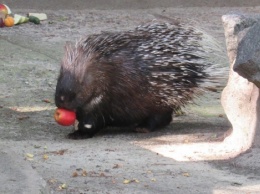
x: 36, y: 157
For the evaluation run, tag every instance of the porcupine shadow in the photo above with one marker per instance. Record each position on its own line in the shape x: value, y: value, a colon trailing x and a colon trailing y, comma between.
x: 136, y: 78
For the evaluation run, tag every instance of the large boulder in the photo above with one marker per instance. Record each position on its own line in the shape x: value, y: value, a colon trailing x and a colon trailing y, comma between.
x: 244, y: 32
x: 240, y: 98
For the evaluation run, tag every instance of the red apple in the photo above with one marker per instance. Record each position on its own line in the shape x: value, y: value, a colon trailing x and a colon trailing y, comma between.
x: 64, y: 117
x: 5, y: 9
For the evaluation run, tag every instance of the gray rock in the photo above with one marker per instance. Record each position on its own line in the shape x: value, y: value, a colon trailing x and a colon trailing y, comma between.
x: 240, y: 98
x: 246, y: 42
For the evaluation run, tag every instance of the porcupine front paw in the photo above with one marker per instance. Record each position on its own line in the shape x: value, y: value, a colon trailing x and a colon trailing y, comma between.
x: 83, y: 132
x: 85, y: 129
x: 80, y: 135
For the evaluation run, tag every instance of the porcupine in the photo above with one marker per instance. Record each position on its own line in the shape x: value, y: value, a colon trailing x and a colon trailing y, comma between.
x: 134, y: 78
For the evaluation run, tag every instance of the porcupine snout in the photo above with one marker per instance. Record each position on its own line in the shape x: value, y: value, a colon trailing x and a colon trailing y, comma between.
x: 65, y: 94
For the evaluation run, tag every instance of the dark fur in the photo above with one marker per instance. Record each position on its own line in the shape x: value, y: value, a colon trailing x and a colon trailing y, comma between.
x: 136, y: 78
